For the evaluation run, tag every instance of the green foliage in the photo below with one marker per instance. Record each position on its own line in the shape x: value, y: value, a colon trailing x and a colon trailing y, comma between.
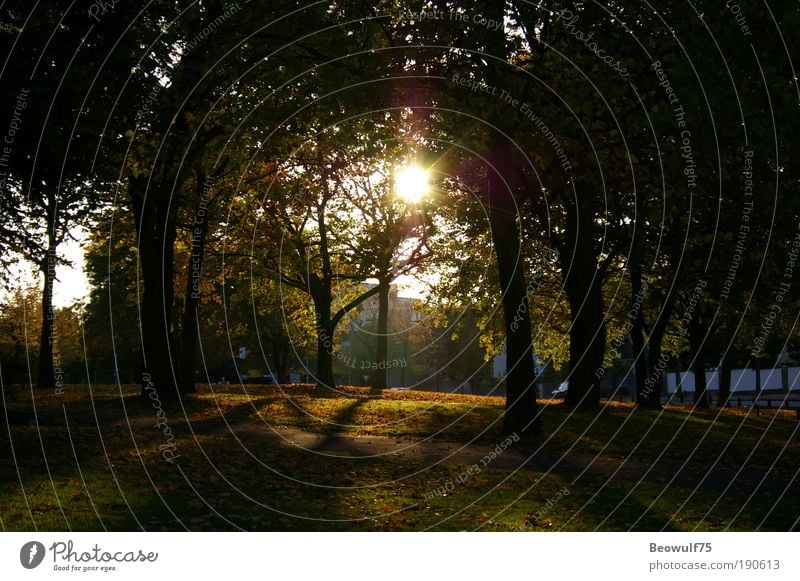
x: 20, y: 314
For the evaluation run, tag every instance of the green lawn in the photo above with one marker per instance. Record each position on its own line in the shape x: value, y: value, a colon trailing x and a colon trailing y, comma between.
x: 85, y: 477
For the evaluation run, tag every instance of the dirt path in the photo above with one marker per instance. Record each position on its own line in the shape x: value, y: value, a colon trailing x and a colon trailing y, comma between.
x: 518, y: 456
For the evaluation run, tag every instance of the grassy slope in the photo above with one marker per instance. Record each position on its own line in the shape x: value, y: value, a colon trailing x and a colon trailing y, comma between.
x: 113, y: 477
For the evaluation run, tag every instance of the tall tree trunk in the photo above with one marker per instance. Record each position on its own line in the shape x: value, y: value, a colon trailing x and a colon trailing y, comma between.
x: 325, y: 377
x: 325, y: 330
x: 322, y: 295
x: 157, y: 343
x: 280, y: 358
x: 649, y: 394
x: 46, y: 377
x: 156, y: 232
x: 380, y: 379
x: 697, y: 341
x: 520, y: 414
x: 637, y: 324
x: 724, y: 378
x: 584, y: 289
x: 758, y: 387
x: 190, y: 331
x: 156, y: 199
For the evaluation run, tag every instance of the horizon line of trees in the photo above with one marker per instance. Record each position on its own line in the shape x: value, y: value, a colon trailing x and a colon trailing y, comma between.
x: 218, y: 151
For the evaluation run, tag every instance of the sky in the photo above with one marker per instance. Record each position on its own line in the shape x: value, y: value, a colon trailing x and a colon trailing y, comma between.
x: 71, y: 281
x: 72, y: 284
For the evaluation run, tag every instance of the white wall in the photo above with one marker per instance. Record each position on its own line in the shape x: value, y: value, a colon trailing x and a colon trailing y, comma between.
x: 741, y: 380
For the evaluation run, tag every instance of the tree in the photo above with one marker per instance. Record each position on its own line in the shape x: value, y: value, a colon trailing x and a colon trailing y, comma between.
x: 728, y: 158
x: 19, y: 315
x: 52, y: 167
x: 395, y: 244
x: 112, y: 317
x: 331, y: 225
x: 495, y: 179
x: 211, y: 53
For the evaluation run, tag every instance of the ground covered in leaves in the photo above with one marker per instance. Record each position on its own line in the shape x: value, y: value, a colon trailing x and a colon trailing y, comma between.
x: 95, y: 460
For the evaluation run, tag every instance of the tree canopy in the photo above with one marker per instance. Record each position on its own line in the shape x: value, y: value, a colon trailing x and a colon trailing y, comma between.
x: 609, y: 185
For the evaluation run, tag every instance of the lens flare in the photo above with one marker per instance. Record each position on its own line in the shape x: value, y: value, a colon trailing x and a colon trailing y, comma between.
x: 411, y: 183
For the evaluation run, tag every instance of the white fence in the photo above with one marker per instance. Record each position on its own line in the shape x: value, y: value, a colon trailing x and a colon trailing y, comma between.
x: 742, y: 380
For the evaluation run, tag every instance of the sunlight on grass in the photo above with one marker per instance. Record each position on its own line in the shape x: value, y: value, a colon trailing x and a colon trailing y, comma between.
x: 227, y: 483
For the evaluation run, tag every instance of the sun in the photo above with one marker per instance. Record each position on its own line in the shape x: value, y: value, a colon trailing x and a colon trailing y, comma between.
x: 411, y: 183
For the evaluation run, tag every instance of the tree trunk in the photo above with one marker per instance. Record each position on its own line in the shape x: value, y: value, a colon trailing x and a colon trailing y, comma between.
x: 156, y: 231
x: 325, y: 329
x: 520, y: 413
x: 725, y: 378
x: 584, y: 289
x: 325, y: 377
x: 280, y: 358
x: 649, y: 395
x: 189, y: 336
x: 697, y: 341
x: 637, y: 325
x: 380, y: 380
x: 758, y: 377
x: 190, y: 330
x: 157, y: 345
x: 46, y: 378
x: 156, y: 199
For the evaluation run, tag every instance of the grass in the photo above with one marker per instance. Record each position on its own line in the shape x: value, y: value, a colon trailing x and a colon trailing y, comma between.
x: 83, y: 468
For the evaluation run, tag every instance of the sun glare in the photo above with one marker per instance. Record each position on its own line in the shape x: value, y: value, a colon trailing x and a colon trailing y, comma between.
x: 411, y: 183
